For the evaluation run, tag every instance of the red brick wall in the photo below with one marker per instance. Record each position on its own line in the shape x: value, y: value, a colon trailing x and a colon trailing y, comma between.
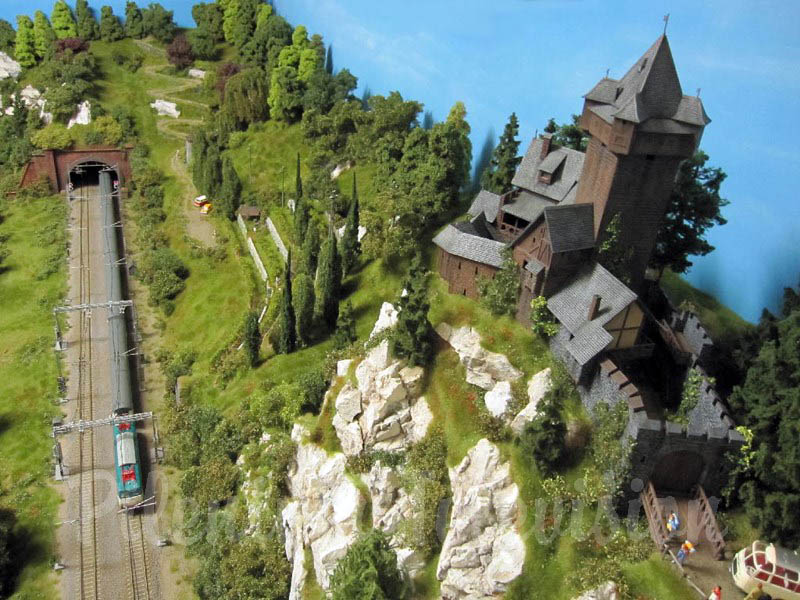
x: 56, y: 164
x: 462, y: 274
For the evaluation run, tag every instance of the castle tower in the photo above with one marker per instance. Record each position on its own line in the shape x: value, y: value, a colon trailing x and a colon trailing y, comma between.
x: 641, y: 127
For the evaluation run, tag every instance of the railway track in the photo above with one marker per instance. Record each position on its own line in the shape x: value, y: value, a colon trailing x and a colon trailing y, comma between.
x: 87, y: 489
x: 140, y: 588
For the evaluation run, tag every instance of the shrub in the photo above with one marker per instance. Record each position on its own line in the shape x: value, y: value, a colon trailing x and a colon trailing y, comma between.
x: 179, y: 52
x: 108, y: 130
x: 368, y: 571
x: 313, y: 384
x: 542, y: 320
x: 543, y: 438
x: 499, y: 294
x: 55, y: 136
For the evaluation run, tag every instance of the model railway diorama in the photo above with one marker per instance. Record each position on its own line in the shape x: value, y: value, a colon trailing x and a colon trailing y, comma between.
x: 126, y: 448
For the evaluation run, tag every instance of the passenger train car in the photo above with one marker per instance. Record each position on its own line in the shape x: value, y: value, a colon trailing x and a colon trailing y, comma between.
x: 126, y: 463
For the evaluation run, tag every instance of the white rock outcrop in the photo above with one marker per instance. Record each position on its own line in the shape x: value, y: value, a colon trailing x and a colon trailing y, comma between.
x: 197, y: 73
x: 607, y: 591
x: 9, y: 67
x: 484, y: 368
x: 538, y: 386
x: 387, y: 319
x: 82, y: 116
x: 482, y: 552
x: 323, y: 513
x: 499, y: 399
x: 391, y: 506
x: 166, y: 109
x: 384, y: 410
x: 362, y: 231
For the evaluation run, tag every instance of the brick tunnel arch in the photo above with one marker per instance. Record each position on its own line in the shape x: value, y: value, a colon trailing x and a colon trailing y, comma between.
x: 56, y: 165
x: 86, y: 171
x: 678, y: 472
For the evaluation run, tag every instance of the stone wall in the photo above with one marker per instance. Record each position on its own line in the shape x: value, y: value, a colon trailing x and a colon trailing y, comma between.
x: 273, y: 232
x: 57, y: 164
x: 462, y: 274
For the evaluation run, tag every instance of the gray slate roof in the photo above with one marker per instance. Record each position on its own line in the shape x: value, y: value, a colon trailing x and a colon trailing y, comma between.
x: 526, y: 205
x: 570, y: 227
x: 527, y: 176
x: 472, y: 247
x: 486, y: 202
x: 570, y: 305
x: 534, y: 266
x: 649, y: 90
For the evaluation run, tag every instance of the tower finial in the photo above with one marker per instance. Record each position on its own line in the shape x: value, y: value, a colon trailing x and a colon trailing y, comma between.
x: 607, y: 70
x: 698, y: 92
x: 666, y: 22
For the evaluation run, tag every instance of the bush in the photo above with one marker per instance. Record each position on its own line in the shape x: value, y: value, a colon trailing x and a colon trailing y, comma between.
x: 499, y: 294
x: 543, y: 438
x: 368, y: 571
x: 55, y: 136
x: 313, y: 384
x: 108, y: 130
x: 278, y: 406
x: 542, y: 320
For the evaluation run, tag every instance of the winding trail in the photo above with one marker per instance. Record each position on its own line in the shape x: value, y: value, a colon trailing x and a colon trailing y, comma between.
x: 197, y: 226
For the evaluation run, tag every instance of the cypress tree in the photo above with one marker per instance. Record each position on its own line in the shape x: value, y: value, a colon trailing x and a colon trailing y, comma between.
x: 300, y: 208
x: 231, y: 191
x: 503, y: 165
x: 110, y: 29
x: 329, y: 60
x: 43, y: 34
x: 288, y: 333
x: 134, y: 23
x: 304, y: 307
x: 412, y: 336
x: 24, y: 47
x: 199, y: 157
x: 310, y: 251
x: 212, y: 177
x: 87, y: 24
x: 63, y: 21
x: 351, y: 247
x: 345, y: 327
x: 252, y: 337
x: 329, y: 281
x: 298, y: 181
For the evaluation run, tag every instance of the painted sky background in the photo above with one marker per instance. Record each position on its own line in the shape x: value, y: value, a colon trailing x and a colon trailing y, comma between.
x: 538, y: 57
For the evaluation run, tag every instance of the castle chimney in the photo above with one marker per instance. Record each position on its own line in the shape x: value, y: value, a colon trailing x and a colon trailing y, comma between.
x: 594, y: 307
x: 546, y: 137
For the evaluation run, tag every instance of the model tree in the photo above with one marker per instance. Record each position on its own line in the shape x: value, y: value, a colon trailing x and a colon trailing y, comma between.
x: 252, y: 337
x: 543, y: 438
x: 287, y: 342
x: 8, y: 37
x: 351, y: 246
x: 329, y: 282
x: 180, y: 53
x: 368, y: 571
x: 694, y: 207
x: 767, y: 478
x: 25, y: 47
x: 570, y: 135
x: 231, y: 191
x: 304, y: 307
x: 505, y: 160
x: 43, y: 34
x: 88, y: 28
x: 134, y: 22
x: 157, y: 21
x: 110, y: 29
x: 499, y: 293
x: 63, y: 21
x: 412, y: 335
x: 310, y: 250
x: 345, y: 327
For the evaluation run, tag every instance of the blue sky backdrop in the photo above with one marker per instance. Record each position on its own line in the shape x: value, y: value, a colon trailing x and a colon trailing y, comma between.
x: 538, y: 57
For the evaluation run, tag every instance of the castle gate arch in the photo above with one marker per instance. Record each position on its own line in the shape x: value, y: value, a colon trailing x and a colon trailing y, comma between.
x: 678, y: 472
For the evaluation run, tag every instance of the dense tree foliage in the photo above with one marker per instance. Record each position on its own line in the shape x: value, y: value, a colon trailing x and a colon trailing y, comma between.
x: 570, y: 135
x: 246, y: 96
x: 252, y: 337
x: 8, y: 37
x: 208, y: 17
x: 345, y: 333
x: 303, y: 292
x: 230, y: 193
x: 9, y: 561
x: 287, y: 340
x: 767, y: 476
x: 694, y: 207
x: 613, y: 254
x: 17, y: 147
x: 25, y: 45
x: 311, y: 242
x: 499, y: 293
x: 63, y: 20
x: 180, y: 53
x: 110, y: 28
x: 351, y: 246
x: 543, y: 438
x: 503, y: 165
x: 157, y: 21
x: 412, y: 335
x: 368, y: 571
x: 87, y: 26
x: 134, y: 22
x: 43, y: 35
x: 329, y: 282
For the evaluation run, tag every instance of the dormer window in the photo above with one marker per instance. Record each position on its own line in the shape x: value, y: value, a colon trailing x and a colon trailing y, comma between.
x: 642, y: 65
x: 618, y: 94
x: 545, y: 177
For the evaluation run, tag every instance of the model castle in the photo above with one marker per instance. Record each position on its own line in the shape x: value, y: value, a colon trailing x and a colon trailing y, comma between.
x: 614, y: 344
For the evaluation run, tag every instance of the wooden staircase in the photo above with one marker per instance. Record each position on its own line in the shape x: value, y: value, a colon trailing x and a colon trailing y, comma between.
x: 708, y: 522
x: 655, y: 520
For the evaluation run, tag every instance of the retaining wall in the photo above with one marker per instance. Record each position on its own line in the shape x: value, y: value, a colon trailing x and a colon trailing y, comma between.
x: 277, y: 239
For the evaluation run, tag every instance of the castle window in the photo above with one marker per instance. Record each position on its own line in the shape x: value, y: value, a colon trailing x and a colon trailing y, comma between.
x: 459, y: 265
x: 618, y: 94
x: 476, y: 270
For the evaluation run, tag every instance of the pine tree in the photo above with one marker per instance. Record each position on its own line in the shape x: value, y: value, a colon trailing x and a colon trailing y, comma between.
x: 503, y: 166
x: 110, y: 29
x: 310, y: 251
x: 329, y: 60
x: 304, y: 307
x: 345, y: 327
x: 212, y: 176
x: 329, y: 282
x: 134, y: 24
x: 298, y: 181
x: 287, y: 342
x: 351, y: 247
x: 231, y: 191
x: 301, y: 212
x: 43, y: 34
x: 63, y: 21
x: 412, y: 336
x: 87, y: 24
x: 368, y: 571
x: 252, y: 337
x: 7, y: 37
x: 543, y: 438
x: 24, y: 47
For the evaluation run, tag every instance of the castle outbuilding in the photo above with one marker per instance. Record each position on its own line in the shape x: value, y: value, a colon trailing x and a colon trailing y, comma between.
x: 552, y: 221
